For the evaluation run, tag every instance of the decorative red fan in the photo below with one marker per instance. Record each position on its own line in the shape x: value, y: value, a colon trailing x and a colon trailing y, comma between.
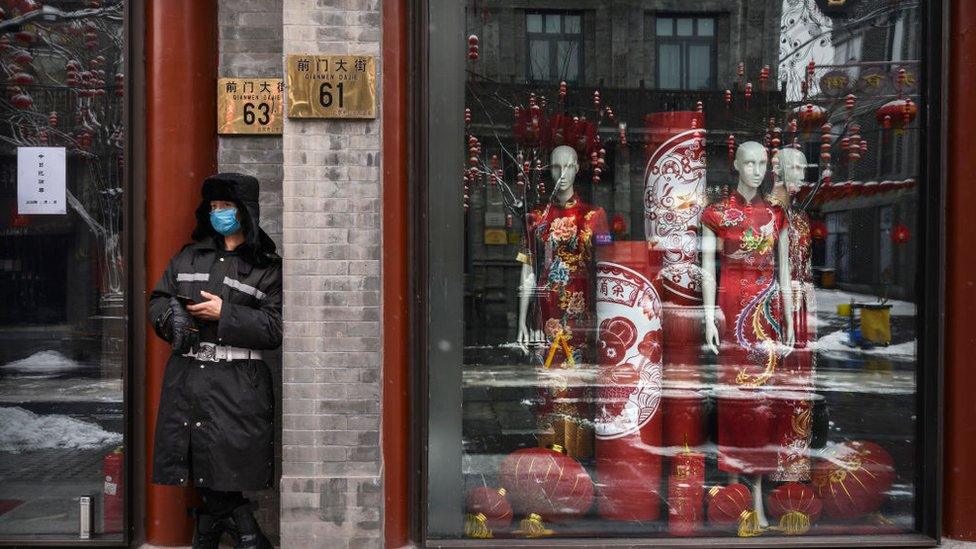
x: 795, y: 506
x: 546, y: 482
x: 732, y: 506
x: 852, y: 478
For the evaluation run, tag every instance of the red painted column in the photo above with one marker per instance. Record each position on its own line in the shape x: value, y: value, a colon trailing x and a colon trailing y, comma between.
x: 181, y: 150
x: 396, y: 333
x: 959, y: 499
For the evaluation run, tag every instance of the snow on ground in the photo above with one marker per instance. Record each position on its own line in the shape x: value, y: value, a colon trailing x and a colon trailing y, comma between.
x: 42, y: 363
x: 837, y: 342
x: 22, y: 430
x: 827, y: 301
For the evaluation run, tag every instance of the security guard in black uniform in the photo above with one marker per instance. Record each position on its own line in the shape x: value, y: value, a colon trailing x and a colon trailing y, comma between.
x: 219, y: 304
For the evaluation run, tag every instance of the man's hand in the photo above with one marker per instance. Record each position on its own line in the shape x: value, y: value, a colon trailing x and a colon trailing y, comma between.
x: 184, y: 332
x: 206, y: 310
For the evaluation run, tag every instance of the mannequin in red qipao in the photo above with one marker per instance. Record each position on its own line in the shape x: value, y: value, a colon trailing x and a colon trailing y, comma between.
x: 562, y: 238
x: 748, y: 236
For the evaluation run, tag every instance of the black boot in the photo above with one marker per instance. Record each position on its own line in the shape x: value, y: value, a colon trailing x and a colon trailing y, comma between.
x: 207, y: 533
x: 247, y: 534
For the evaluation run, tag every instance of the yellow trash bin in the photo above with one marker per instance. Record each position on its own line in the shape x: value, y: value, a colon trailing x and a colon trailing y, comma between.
x: 843, y: 309
x: 876, y: 323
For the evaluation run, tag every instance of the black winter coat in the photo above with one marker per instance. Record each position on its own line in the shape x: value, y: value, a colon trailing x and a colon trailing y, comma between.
x: 215, y: 426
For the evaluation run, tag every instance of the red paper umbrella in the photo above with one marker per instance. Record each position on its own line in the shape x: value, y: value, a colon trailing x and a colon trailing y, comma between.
x: 732, y: 506
x: 852, y: 478
x: 795, y: 506
x: 546, y: 482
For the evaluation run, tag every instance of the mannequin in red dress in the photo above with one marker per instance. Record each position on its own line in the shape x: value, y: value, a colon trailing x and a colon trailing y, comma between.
x: 562, y: 238
x: 796, y: 375
x: 748, y: 236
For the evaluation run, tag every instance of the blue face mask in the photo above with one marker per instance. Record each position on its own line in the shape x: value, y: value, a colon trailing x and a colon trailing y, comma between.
x: 225, y: 221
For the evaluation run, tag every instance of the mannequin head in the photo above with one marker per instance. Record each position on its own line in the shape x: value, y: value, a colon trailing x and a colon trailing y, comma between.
x: 750, y: 162
x: 792, y: 167
x: 564, y: 165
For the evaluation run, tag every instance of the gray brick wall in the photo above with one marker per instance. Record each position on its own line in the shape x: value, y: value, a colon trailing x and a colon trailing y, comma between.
x: 250, y: 47
x: 331, y: 484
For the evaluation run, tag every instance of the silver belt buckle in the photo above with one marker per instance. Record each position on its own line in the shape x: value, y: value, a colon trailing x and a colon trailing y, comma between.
x: 206, y: 351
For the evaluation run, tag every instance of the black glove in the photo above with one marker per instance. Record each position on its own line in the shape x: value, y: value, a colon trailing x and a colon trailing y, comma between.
x: 183, y: 329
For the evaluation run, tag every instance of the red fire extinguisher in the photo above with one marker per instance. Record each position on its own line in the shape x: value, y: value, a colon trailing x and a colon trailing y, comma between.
x: 112, y: 492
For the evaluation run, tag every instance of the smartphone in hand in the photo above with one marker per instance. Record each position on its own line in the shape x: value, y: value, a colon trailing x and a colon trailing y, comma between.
x: 184, y: 300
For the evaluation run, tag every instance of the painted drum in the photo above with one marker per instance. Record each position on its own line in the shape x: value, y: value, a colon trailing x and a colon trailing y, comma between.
x: 683, y: 417
x: 744, y: 417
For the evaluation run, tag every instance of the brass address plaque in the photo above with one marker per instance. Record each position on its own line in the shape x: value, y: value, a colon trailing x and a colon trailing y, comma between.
x: 249, y: 106
x: 331, y: 86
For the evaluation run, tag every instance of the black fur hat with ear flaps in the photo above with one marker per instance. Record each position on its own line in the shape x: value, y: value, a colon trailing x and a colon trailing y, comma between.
x: 243, y: 190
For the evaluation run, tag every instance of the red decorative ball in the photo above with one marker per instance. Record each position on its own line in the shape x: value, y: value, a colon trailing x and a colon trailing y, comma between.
x: 546, y: 482
x: 852, y: 478
x: 726, y: 504
x: 492, y: 503
x: 794, y: 498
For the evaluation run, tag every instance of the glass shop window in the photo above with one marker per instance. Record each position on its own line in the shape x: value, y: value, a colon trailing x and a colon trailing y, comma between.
x: 63, y: 272
x: 555, y: 46
x: 685, y: 277
x: 685, y: 52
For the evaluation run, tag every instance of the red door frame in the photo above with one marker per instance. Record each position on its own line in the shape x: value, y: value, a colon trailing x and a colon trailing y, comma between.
x: 396, y: 332
x: 181, y: 149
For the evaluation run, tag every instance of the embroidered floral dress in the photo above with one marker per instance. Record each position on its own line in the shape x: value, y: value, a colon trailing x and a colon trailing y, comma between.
x: 747, y: 288
x: 562, y: 246
x: 798, y: 367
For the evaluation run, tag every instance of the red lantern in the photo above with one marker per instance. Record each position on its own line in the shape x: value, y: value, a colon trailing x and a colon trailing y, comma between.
x: 22, y: 78
x: 795, y: 506
x: 730, y: 506
x: 748, y: 92
x: 596, y: 99
x: 23, y: 58
x: 562, y: 90
x: 897, y: 113
x: 809, y: 117
x: 728, y: 98
x: 21, y: 101
x: 492, y: 503
x: 473, y: 47
x: 546, y: 482
x: 900, y: 234
x: 685, y: 493
x: 818, y: 230
x: 852, y: 479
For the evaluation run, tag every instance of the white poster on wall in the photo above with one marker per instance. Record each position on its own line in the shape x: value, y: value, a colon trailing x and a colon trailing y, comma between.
x: 41, y: 181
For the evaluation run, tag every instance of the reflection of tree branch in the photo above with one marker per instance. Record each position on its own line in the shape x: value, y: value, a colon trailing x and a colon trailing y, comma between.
x: 851, y: 24
x: 50, y: 14
x: 88, y: 219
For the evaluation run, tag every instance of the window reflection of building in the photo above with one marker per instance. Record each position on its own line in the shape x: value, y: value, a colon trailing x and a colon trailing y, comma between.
x: 555, y: 46
x: 685, y: 52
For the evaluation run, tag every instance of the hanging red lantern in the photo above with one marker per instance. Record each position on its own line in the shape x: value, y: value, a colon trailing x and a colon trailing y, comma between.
x: 546, y: 482
x: 22, y: 78
x: 52, y: 119
x: 849, y: 102
x: 748, y: 93
x: 741, y: 69
x: 563, y: 90
x: 699, y: 107
x: 808, y: 117
x: 731, y: 143
x: 596, y: 99
x: 731, y: 506
x: 623, y: 134
x: 728, y: 99
x: 24, y: 36
x: 900, y: 234
x: 21, y: 101
x: 795, y: 506
x: 818, y: 230
x: 852, y: 479
x: 473, y: 47
x: 763, y: 77
x: 897, y: 113
x: 23, y: 58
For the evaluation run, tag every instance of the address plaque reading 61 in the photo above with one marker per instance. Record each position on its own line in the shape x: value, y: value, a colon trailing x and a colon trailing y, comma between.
x: 331, y: 86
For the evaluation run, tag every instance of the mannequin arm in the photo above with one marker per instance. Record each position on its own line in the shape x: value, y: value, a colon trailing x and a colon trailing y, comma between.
x: 526, y: 289
x: 786, y: 288
x: 710, y: 245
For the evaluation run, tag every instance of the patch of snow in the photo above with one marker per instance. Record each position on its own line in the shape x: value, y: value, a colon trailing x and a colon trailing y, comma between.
x: 42, y: 363
x: 837, y: 341
x: 827, y: 301
x: 22, y: 430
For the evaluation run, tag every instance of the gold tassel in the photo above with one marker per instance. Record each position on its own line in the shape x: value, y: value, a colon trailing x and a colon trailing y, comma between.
x: 476, y: 526
x: 749, y: 524
x: 714, y: 490
x: 533, y: 527
x: 794, y: 523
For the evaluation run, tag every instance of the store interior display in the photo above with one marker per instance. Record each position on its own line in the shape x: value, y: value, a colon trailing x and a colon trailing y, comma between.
x: 657, y: 345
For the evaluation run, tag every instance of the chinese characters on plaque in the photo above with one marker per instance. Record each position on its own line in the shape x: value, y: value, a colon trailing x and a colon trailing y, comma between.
x: 249, y: 106
x: 41, y: 180
x: 331, y: 86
